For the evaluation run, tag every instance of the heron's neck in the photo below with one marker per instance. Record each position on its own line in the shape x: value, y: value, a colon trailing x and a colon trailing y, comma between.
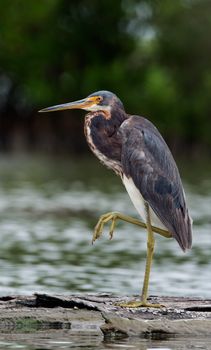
x: 101, y: 131
x: 118, y: 117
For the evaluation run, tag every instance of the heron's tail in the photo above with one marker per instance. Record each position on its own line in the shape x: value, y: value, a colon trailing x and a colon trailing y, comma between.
x: 184, y: 238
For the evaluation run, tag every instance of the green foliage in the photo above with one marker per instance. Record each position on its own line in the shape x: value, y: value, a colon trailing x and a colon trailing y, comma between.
x: 183, y: 42
x: 154, y: 54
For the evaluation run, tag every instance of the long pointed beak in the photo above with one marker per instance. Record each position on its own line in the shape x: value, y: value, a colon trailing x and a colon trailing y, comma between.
x: 80, y: 104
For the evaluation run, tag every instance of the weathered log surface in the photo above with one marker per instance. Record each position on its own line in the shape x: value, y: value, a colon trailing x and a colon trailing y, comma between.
x: 98, y: 315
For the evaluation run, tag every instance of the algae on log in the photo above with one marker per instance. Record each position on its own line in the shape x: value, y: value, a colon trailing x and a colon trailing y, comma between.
x: 99, y: 315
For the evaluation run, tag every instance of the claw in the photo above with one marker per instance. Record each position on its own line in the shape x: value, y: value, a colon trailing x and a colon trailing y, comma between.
x: 100, y: 225
x: 113, y: 224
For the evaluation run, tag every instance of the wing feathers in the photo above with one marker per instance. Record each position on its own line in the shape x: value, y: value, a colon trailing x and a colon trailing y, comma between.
x: 147, y: 159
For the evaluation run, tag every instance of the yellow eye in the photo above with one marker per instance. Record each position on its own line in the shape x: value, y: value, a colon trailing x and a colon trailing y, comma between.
x: 99, y: 99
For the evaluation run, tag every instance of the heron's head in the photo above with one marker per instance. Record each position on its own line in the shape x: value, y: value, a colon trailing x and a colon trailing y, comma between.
x: 98, y: 101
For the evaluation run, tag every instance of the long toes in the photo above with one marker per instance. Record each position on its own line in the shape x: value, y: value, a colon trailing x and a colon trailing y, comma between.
x: 95, y: 237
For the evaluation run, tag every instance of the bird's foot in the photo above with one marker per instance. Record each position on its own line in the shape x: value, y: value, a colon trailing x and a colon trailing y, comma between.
x: 113, y: 216
x: 135, y: 303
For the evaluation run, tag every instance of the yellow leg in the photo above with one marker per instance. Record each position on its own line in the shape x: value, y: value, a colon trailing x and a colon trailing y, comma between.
x: 150, y: 250
x: 114, y: 216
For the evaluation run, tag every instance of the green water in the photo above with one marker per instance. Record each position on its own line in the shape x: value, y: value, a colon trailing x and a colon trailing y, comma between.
x: 48, y: 208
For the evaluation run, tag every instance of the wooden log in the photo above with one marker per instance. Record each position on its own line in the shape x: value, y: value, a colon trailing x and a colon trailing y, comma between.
x: 99, y: 315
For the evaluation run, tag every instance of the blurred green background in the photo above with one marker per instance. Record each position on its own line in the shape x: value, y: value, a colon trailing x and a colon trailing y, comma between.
x: 155, y: 55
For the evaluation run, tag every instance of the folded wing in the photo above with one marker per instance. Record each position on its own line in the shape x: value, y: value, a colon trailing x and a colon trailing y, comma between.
x: 147, y: 159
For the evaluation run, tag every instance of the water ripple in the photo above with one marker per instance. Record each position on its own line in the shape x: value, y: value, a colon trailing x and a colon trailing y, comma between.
x: 46, y: 224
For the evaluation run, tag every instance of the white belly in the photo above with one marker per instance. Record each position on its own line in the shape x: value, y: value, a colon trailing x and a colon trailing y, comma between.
x: 138, y: 202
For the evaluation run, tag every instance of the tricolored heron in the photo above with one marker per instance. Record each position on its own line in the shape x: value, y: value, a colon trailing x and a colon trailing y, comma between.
x: 133, y: 147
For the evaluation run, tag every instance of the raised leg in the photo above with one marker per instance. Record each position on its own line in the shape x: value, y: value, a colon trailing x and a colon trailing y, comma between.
x: 114, y: 216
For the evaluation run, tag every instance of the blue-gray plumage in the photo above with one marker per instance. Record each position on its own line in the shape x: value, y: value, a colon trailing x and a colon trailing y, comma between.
x: 148, y: 161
